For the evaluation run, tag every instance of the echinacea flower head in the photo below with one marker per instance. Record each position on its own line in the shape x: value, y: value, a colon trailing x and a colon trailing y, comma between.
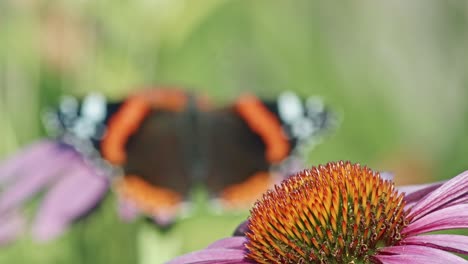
x: 339, y: 212
x: 346, y: 213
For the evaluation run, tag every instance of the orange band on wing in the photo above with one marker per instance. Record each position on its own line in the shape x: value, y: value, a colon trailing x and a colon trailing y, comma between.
x: 121, y: 126
x: 173, y: 100
x: 244, y: 195
x: 150, y: 199
x: 266, y: 125
x: 129, y: 117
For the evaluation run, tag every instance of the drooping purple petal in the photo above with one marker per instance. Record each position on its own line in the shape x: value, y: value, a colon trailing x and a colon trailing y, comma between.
x: 74, y: 195
x: 386, y: 175
x: 230, y: 242
x: 165, y: 218
x: 242, y: 229
x: 460, y: 200
x: 417, y: 255
x: 456, y: 188
x: 25, y: 157
x: 37, y: 177
x: 216, y: 255
x: 11, y: 226
x: 453, y: 243
x: 414, y: 193
x: 127, y: 210
x: 290, y: 166
x: 447, y: 218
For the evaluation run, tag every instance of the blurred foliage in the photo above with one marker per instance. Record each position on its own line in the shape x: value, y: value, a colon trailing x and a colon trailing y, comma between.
x: 395, y: 71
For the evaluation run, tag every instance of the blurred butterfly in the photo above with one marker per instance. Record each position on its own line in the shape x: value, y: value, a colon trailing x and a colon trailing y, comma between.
x: 153, y: 147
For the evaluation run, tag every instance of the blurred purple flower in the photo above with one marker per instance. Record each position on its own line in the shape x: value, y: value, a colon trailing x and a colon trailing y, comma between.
x: 430, y: 207
x: 72, y: 185
x: 10, y: 226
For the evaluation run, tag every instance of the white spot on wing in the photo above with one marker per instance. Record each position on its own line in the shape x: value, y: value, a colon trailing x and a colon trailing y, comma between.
x: 94, y: 107
x: 290, y: 107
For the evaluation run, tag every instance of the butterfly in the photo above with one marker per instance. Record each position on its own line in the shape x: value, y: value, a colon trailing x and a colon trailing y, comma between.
x: 153, y: 147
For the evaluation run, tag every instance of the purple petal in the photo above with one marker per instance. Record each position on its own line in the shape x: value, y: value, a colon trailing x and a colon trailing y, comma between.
x: 11, y: 226
x: 454, y: 189
x: 290, y: 166
x: 10, y: 167
x: 166, y: 216
x: 127, y: 210
x: 417, y: 255
x: 73, y: 196
x: 386, y: 175
x: 453, y: 243
x: 242, y: 229
x: 414, y: 193
x: 447, y: 218
x: 37, y: 177
x: 216, y: 255
x: 461, y: 200
x: 230, y: 242
x: 164, y: 219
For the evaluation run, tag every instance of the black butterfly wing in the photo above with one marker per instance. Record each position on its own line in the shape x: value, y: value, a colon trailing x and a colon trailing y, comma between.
x: 238, y: 151
x: 146, y: 138
x: 156, y: 152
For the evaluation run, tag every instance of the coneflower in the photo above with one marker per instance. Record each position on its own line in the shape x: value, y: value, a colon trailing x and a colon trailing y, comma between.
x: 347, y: 213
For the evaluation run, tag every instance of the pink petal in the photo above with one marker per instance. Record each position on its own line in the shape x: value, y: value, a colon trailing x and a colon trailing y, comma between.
x: 242, y: 229
x: 386, y: 175
x: 39, y: 175
x: 447, y: 218
x: 290, y: 166
x: 73, y: 196
x: 164, y: 219
x: 127, y: 210
x: 417, y: 255
x: 11, y: 226
x: 414, y: 193
x: 453, y: 243
x: 230, y: 242
x: 216, y: 255
x: 11, y: 167
x: 454, y: 189
x: 461, y: 200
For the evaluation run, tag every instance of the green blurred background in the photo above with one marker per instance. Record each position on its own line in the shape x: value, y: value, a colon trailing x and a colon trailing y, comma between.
x: 396, y: 71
